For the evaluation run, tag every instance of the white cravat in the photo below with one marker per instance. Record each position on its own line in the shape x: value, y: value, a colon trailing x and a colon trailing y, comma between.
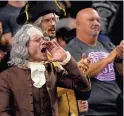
x: 37, y: 73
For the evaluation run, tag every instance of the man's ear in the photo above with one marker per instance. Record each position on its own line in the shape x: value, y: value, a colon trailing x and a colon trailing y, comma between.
x: 77, y: 23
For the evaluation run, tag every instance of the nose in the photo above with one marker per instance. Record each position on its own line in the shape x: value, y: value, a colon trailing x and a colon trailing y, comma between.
x: 96, y: 22
x: 52, y: 22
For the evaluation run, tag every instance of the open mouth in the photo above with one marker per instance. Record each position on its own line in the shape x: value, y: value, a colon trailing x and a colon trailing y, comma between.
x: 43, y: 50
x: 51, y: 29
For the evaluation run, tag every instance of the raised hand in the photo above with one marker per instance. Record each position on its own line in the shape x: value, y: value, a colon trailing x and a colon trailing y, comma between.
x: 111, y: 57
x: 83, y: 64
x: 116, y: 53
x: 1, y: 29
x: 120, y: 49
x: 2, y: 54
x: 57, y: 52
x: 122, y: 43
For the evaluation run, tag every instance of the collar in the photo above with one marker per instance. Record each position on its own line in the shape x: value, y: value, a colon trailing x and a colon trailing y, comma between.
x: 37, y: 73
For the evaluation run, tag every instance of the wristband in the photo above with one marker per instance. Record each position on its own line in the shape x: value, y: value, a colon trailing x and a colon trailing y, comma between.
x: 67, y: 59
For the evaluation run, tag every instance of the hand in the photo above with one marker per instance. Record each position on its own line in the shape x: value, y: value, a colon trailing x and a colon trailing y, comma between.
x: 1, y: 29
x: 111, y: 57
x: 57, y: 52
x: 83, y: 105
x: 120, y: 49
x: 83, y: 64
x: 2, y: 54
x: 122, y: 43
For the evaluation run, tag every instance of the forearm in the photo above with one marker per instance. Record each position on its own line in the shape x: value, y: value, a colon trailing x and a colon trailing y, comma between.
x: 96, y: 68
x: 72, y: 68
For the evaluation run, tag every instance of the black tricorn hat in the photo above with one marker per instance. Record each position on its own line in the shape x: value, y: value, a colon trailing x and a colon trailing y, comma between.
x: 34, y: 9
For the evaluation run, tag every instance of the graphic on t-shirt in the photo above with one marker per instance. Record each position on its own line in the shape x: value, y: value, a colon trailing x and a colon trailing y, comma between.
x: 108, y: 73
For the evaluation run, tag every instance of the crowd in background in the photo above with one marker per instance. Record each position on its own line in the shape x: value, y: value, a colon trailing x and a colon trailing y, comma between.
x: 111, y: 19
x: 111, y: 13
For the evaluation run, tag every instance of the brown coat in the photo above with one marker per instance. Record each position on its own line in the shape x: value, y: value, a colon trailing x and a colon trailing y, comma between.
x: 16, y: 85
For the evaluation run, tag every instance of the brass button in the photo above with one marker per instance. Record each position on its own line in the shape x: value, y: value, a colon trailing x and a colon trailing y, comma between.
x: 28, y: 71
x: 30, y: 85
x: 30, y: 94
x: 31, y: 102
x: 32, y: 111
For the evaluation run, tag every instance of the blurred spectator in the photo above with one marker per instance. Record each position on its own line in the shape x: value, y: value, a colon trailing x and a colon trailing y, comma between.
x: 1, y: 30
x: 111, y: 13
x: 66, y: 5
x: 66, y: 22
x: 1, y: 41
x: 65, y: 31
x: 8, y: 16
x: 4, y: 55
x: 63, y: 36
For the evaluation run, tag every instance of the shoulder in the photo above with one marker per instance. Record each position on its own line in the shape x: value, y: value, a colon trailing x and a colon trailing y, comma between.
x: 5, y: 13
x: 3, y: 16
x: 106, y: 42
x: 70, y: 45
x: 71, y: 42
x: 11, y: 72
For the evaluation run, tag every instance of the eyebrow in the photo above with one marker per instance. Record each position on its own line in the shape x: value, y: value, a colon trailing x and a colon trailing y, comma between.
x: 41, y: 37
x: 48, y: 17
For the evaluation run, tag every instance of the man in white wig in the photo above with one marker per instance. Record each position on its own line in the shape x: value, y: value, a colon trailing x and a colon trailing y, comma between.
x: 29, y: 87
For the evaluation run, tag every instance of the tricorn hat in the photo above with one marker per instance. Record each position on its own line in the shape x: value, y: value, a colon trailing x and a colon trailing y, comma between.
x: 34, y: 9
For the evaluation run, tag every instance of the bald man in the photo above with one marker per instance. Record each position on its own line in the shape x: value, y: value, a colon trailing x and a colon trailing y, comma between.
x: 104, y: 89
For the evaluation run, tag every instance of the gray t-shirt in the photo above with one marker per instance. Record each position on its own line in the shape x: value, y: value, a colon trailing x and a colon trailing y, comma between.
x: 104, y: 89
x: 8, y: 17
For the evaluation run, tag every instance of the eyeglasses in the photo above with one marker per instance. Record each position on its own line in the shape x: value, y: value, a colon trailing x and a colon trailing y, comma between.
x: 50, y: 20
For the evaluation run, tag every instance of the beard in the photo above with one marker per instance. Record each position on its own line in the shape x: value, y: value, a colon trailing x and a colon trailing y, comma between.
x: 51, y: 33
x: 94, y: 35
